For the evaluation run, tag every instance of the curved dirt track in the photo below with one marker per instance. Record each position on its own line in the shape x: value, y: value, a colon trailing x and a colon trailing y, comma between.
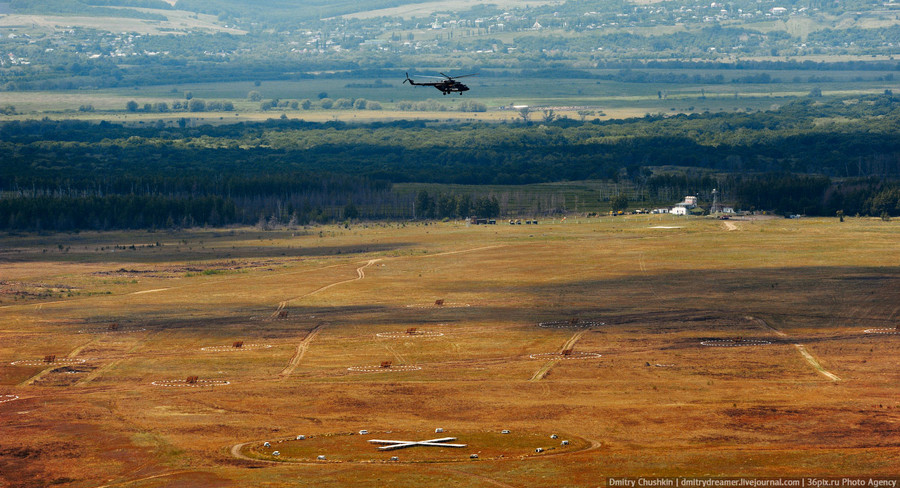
x: 304, y: 344
x: 360, y: 274
x: 800, y: 348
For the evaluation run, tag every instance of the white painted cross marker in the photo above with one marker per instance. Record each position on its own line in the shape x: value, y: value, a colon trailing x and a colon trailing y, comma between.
x: 440, y: 442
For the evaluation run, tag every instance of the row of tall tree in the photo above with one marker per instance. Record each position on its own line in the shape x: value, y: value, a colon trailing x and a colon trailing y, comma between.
x: 449, y: 205
x: 192, y: 105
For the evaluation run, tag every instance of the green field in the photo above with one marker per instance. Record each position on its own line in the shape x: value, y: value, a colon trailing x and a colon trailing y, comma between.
x: 614, y: 99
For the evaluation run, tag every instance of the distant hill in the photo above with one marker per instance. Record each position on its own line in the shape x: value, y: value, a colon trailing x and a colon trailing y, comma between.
x: 93, y: 8
x: 285, y: 11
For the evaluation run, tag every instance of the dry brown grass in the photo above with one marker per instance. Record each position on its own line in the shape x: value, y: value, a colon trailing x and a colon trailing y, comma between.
x: 656, y: 403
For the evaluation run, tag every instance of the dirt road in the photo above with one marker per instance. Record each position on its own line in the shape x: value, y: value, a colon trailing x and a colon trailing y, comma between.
x: 569, y: 344
x: 803, y: 352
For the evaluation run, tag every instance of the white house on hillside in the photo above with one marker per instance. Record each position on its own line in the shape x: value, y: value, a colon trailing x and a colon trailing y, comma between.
x: 680, y: 210
x: 684, y: 208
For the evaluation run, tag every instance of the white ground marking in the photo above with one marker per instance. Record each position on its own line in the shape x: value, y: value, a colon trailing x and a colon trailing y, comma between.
x: 41, y: 362
x: 432, y: 305
x: 734, y: 343
x: 391, y: 444
x: 568, y: 324
x: 185, y: 384
x: 105, y: 330
x: 883, y: 331
x: 8, y: 398
x: 404, y: 334
x: 245, y: 347
x: 149, y: 291
x: 572, y: 355
x: 379, y: 369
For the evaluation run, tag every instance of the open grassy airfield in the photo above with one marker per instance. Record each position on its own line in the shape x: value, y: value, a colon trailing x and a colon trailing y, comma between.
x: 805, y: 392
x: 604, y: 99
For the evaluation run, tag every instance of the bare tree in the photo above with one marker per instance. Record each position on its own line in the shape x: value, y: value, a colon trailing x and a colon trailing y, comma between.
x: 549, y: 116
x: 523, y: 112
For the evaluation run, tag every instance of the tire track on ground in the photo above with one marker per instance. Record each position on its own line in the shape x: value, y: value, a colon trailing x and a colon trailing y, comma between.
x: 730, y: 226
x: 360, y: 274
x: 481, y: 477
x: 569, y: 344
x: 401, y: 359
x: 304, y: 344
x: 52, y: 366
x: 158, y: 290
x: 156, y: 476
x: 474, y: 249
x: 112, y: 364
x: 298, y: 355
x: 800, y: 348
x: 650, y: 284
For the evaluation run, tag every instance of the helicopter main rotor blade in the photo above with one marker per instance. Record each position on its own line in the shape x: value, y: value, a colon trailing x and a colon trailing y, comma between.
x: 455, y: 77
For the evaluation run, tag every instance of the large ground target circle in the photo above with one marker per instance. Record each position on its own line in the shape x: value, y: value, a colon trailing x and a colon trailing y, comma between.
x: 570, y: 324
x: 408, y: 334
x: 571, y: 355
x: 8, y: 398
x: 356, y: 448
x: 436, y: 306
x: 107, y: 330
x: 380, y: 369
x: 245, y: 347
x: 42, y: 362
x: 186, y: 384
x: 883, y: 331
x: 735, y: 343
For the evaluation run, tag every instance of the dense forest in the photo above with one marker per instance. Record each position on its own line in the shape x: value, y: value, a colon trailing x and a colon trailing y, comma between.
x: 811, y: 156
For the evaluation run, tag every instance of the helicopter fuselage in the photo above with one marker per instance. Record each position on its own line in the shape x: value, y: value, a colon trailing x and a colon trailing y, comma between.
x: 445, y: 86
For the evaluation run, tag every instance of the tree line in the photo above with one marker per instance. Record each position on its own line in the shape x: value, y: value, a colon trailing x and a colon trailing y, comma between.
x: 74, y: 174
x: 450, y: 205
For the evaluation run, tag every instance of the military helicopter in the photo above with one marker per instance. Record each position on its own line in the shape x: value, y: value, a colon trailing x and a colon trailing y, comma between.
x: 449, y: 85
